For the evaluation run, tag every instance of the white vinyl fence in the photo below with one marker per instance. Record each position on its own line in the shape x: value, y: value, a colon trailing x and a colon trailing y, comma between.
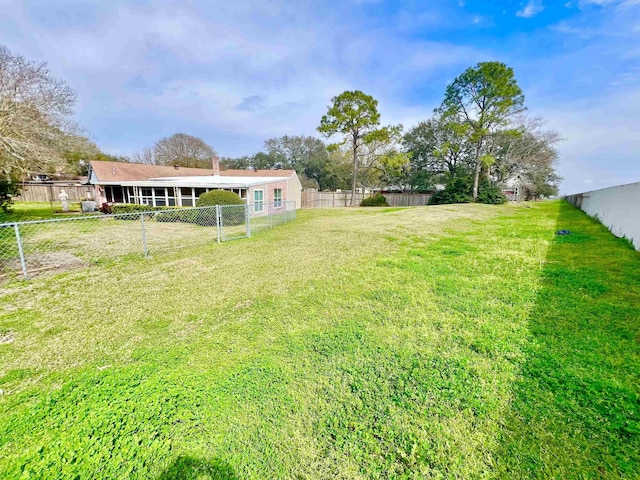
x: 616, y: 207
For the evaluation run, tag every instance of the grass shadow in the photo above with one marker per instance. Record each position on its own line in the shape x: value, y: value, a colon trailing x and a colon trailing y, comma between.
x: 187, y: 468
x: 576, y: 404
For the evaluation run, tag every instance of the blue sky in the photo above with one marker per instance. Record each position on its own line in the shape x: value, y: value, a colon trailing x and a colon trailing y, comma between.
x: 236, y: 73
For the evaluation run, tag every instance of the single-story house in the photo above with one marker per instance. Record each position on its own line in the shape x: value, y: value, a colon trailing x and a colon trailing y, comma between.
x: 160, y: 185
x: 513, y: 188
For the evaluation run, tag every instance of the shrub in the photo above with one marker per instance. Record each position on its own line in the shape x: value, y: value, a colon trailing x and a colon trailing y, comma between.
x: 490, y: 193
x: 8, y: 189
x: 457, y: 190
x: 121, y: 208
x: 135, y: 208
x: 218, y: 197
x: 177, y: 215
x: 231, y: 215
x: 376, y: 200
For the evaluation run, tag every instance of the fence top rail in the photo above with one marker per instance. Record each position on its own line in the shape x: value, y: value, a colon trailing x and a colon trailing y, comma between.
x: 104, y: 215
x: 133, y: 214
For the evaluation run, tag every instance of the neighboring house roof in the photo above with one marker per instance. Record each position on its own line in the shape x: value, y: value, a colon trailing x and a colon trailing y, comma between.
x: 119, y: 173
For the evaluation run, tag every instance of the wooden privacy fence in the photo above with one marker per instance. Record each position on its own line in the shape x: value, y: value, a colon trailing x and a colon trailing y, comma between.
x: 312, y: 198
x: 407, y: 199
x: 50, y: 192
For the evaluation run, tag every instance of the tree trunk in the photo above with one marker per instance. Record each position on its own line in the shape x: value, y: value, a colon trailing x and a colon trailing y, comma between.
x: 476, y: 173
x: 355, y: 174
x: 476, y: 180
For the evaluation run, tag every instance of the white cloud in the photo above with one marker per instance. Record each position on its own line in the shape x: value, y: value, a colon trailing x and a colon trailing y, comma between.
x: 245, y: 71
x: 531, y: 9
x: 601, y: 145
x: 604, y: 3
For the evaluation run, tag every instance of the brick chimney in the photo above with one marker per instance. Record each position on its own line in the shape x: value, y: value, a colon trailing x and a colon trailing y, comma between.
x: 215, y: 164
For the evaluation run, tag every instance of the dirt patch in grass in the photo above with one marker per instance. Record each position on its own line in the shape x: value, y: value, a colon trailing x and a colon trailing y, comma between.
x: 42, y: 263
x: 6, y: 338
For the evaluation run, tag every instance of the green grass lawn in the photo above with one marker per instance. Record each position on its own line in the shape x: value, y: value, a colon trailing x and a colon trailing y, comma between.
x: 20, y: 212
x: 452, y: 341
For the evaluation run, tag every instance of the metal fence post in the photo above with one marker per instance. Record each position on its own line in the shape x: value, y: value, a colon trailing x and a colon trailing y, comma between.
x: 219, y: 222
x: 23, y: 261
x: 270, y: 213
x: 247, y: 218
x: 144, y: 236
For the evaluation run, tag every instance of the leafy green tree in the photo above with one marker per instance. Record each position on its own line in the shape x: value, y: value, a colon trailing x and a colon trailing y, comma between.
x: 354, y: 115
x: 297, y: 152
x: 439, y: 149
x: 485, y: 98
x: 240, y: 163
x: 263, y: 161
x: 80, y: 151
x: 395, y: 170
x: 382, y: 163
x: 337, y: 173
x: 457, y: 190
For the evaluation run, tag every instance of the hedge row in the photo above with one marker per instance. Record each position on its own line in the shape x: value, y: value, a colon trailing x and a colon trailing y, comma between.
x: 232, y: 215
x: 135, y: 208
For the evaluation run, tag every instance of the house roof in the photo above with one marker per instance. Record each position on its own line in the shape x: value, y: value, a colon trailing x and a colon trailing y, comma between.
x: 256, y: 173
x: 209, y: 181
x: 118, y: 172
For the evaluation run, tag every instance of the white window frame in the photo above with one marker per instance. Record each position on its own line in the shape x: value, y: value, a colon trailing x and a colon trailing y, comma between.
x: 277, y: 202
x: 258, y: 205
x: 191, y: 196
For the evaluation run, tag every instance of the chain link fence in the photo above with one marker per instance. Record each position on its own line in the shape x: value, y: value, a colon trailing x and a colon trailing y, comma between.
x: 30, y: 248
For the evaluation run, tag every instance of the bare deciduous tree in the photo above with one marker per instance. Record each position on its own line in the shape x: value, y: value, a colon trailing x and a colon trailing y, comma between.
x: 35, y: 111
x: 144, y: 156
x: 184, y: 150
x: 529, y: 157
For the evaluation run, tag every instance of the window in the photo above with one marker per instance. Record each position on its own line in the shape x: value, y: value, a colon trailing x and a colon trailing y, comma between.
x: 258, y: 198
x: 146, y: 196
x: 118, y: 194
x: 186, y: 194
x: 277, y: 197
